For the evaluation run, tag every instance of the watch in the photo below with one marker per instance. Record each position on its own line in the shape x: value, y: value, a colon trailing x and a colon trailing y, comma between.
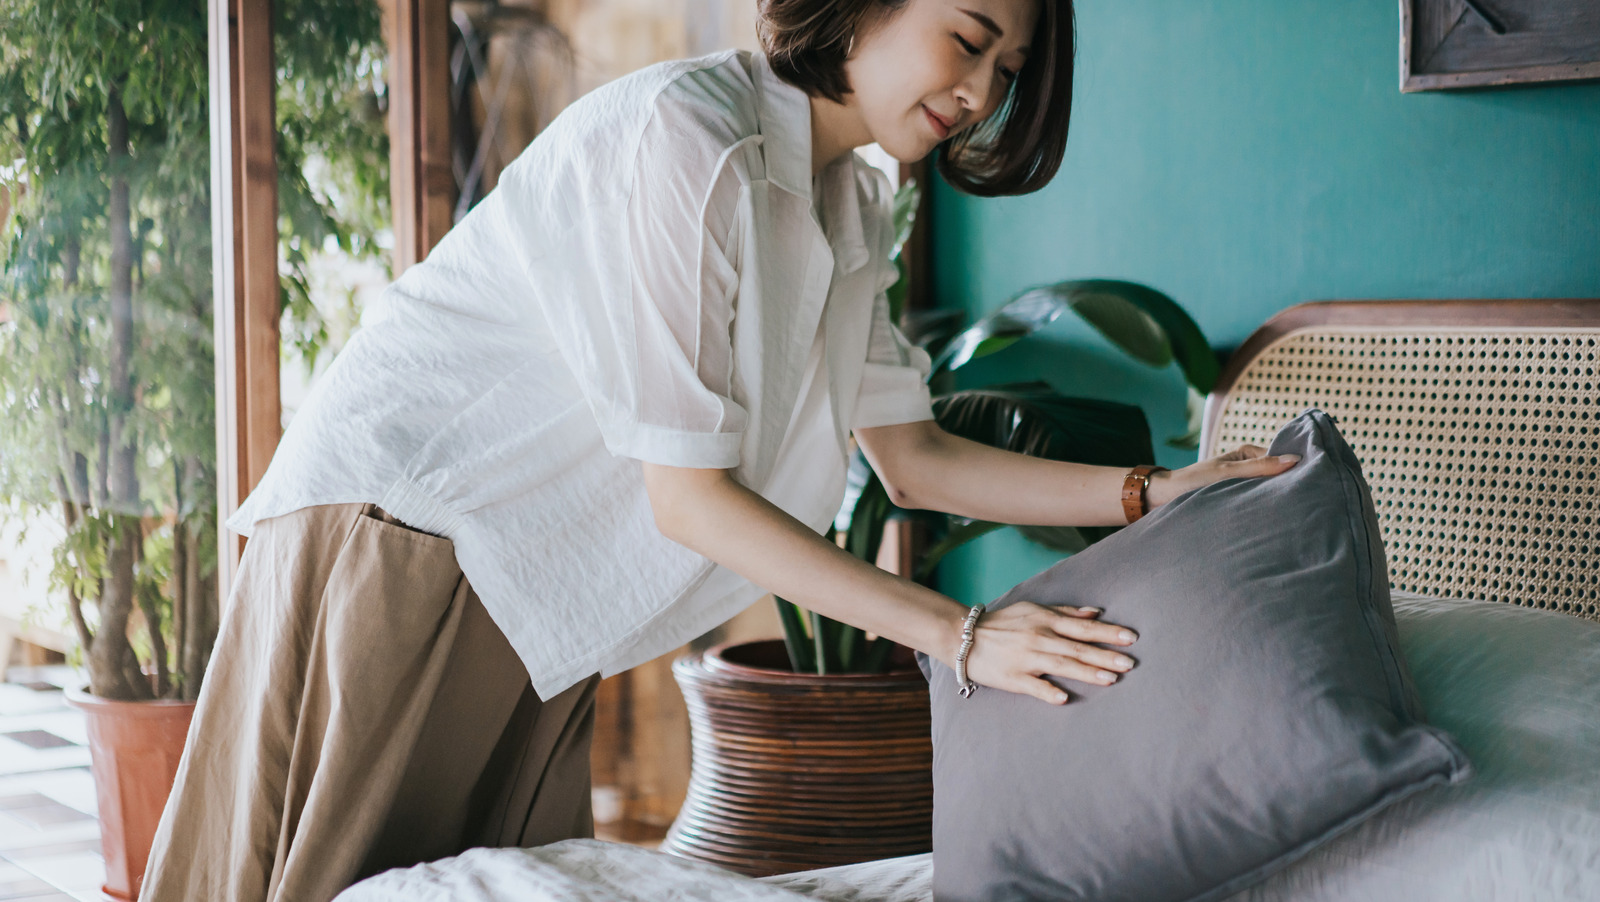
x: 1133, y: 488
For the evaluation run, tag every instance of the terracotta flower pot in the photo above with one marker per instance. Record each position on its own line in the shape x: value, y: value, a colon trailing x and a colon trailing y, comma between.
x: 134, y: 749
x: 797, y: 771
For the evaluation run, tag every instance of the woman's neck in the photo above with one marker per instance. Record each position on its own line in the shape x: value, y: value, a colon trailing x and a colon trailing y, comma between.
x: 836, y: 129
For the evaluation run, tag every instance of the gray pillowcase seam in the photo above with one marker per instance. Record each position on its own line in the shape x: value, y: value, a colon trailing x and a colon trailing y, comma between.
x: 1283, y: 860
x: 1349, y: 471
x: 1362, y: 542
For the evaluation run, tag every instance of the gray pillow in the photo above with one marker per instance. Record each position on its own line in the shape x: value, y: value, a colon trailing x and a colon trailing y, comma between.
x: 1269, y: 711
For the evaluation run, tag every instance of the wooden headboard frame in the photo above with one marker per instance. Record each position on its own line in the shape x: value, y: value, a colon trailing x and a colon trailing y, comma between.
x: 1478, y: 427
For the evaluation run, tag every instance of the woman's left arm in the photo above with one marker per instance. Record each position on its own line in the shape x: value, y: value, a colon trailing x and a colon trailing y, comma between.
x: 924, y: 467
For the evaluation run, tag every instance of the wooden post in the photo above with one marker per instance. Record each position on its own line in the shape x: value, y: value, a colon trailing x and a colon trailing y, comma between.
x: 918, y: 251
x: 421, y: 183
x: 244, y: 223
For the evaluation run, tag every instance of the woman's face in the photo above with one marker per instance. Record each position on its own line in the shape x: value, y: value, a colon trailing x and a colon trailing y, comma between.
x: 935, y: 67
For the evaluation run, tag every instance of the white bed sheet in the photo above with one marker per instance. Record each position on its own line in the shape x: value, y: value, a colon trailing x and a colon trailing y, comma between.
x: 589, y: 870
x: 1520, y: 689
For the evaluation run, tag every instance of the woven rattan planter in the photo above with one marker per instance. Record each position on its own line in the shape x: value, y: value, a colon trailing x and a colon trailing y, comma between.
x: 797, y: 771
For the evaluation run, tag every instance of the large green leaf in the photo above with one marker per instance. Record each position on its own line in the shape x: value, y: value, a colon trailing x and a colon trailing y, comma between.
x: 1146, y: 324
x: 1034, y: 419
x: 1029, y: 418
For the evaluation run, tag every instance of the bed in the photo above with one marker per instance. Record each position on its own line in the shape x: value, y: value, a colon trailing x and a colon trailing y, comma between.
x: 1478, y: 427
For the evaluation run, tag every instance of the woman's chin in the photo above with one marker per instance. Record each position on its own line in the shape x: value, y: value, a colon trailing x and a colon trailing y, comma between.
x: 909, y: 152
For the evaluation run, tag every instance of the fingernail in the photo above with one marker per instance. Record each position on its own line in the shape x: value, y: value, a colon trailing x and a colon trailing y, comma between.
x: 1063, y: 698
x: 1126, y: 636
x: 1291, y: 458
x: 1091, y: 610
x: 1107, y: 677
x: 1123, y: 662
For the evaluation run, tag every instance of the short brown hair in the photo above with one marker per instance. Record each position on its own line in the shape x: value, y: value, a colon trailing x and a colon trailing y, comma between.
x: 1017, y: 150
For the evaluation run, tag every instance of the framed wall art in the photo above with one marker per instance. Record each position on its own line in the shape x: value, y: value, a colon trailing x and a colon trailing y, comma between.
x: 1448, y: 44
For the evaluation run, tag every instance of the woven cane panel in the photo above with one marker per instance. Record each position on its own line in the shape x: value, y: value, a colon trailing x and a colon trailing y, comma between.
x: 1481, y: 449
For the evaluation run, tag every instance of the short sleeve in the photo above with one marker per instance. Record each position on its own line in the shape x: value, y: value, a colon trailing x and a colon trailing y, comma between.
x: 894, y: 387
x: 675, y: 406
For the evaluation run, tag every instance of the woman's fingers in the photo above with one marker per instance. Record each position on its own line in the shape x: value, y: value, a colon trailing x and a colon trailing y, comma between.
x: 1243, y: 452
x: 1253, y: 460
x: 1103, y: 658
x: 1073, y: 669
x: 1040, y: 689
x: 1093, y: 631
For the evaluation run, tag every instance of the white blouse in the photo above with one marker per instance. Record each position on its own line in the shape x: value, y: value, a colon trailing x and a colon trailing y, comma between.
x: 658, y: 277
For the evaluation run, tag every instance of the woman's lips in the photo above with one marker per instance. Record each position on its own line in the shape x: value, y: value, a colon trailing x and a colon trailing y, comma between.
x: 941, y: 126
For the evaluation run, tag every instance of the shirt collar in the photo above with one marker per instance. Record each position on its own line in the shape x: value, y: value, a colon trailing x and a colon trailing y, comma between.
x: 785, y: 113
x: 841, y: 213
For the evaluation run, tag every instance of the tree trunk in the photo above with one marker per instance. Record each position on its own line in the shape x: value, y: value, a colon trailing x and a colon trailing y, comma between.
x: 180, y: 582
x: 152, y: 625
x: 70, y: 513
x: 201, y: 631
x: 109, y: 665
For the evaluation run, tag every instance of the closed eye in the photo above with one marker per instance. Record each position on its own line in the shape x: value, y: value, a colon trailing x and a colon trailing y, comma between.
x: 1009, y: 75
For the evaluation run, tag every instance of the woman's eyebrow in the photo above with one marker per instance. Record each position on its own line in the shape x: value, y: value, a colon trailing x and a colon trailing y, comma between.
x: 986, y: 22
x: 990, y: 26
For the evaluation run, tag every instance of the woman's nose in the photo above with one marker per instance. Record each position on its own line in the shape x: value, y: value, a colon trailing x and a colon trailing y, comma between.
x: 973, y: 92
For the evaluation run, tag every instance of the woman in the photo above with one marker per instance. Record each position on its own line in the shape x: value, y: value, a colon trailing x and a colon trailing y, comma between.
x: 610, y: 405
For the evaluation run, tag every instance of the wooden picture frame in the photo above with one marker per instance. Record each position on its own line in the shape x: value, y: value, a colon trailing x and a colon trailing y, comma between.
x: 1448, y: 44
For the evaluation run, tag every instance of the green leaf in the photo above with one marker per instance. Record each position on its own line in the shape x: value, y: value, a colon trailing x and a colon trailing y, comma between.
x: 1195, y: 413
x: 872, y: 510
x: 931, y: 330
x: 1146, y: 324
x: 876, y: 659
x: 958, y: 535
x: 802, y: 656
x: 906, y: 199
x: 897, y: 292
x: 1033, y: 419
x: 1065, y: 539
x: 819, y: 644
x: 904, y: 218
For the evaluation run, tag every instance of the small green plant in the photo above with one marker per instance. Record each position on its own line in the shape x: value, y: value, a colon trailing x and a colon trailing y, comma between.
x: 1028, y: 417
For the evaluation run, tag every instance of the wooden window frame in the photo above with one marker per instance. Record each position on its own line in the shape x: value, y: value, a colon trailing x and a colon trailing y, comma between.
x: 244, y: 226
x: 244, y: 215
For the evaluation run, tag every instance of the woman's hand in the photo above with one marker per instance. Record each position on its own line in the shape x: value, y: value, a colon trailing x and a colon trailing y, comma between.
x: 1246, y: 460
x: 1014, y: 647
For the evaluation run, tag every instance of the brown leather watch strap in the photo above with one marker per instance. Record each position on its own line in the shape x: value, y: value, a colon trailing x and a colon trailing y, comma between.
x: 1133, y: 487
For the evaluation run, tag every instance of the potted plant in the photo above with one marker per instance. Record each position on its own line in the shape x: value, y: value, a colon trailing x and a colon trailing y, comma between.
x: 107, y: 404
x: 814, y: 751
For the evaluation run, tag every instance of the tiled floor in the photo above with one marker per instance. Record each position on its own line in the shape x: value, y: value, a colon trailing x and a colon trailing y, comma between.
x: 49, y: 838
x: 49, y: 835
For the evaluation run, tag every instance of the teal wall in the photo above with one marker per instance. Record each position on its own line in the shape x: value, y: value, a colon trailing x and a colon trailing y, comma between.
x: 1247, y: 155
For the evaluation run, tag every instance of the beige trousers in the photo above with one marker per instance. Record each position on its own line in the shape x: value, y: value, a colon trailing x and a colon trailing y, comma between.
x: 361, y: 712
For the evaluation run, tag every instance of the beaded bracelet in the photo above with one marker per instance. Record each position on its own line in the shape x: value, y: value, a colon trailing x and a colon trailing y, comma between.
x: 967, y: 686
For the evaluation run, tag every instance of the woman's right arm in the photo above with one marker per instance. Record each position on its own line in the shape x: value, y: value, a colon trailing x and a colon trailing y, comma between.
x: 709, y: 512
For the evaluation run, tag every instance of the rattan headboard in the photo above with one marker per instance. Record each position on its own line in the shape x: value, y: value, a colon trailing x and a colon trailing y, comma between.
x: 1477, y: 424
